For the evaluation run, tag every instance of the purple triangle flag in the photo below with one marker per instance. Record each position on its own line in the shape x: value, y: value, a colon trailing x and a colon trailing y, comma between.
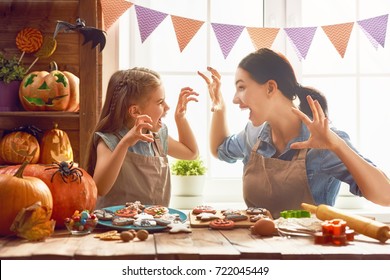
x: 301, y: 39
x: 375, y: 29
x: 227, y: 35
x: 148, y: 20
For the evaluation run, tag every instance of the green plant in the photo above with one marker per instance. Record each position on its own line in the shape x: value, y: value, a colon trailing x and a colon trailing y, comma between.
x: 188, y: 167
x: 10, y: 69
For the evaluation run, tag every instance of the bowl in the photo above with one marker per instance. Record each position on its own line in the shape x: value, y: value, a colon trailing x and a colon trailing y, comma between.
x: 81, y: 223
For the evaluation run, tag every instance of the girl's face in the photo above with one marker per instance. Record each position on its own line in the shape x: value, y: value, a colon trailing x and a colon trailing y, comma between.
x: 252, y: 96
x: 155, y: 107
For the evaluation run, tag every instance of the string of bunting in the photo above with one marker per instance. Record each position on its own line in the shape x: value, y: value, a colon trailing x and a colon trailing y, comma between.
x: 227, y: 35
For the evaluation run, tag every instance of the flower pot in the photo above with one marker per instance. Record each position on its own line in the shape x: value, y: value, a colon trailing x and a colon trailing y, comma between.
x: 9, y: 96
x: 188, y: 185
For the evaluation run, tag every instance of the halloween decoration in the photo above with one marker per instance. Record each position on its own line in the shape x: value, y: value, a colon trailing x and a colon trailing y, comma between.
x: 33, y: 223
x: 72, y: 187
x: 20, y: 145
x: 49, y: 45
x: 17, y: 192
x: 44, y: 91
x: 91, y: 34
x: 29, y: 40
x: 55, y: 146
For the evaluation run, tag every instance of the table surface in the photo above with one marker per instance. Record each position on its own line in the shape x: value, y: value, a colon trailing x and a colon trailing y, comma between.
x: 201, y: 243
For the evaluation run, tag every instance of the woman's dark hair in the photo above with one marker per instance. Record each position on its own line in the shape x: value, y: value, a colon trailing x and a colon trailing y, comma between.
x: 264, y: 65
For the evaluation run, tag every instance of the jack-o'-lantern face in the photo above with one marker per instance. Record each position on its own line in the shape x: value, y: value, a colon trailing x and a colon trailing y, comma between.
x: 18, y: 147
x: 56, y: 147
x: 42, y: 91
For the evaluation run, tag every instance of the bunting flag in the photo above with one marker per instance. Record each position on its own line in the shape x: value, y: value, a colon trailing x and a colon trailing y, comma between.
x: 375, y: 29
x: 148, y: 20
x: 185, y: 29
x: 227, y: 35
x: 112, y: 10
x: 262, y: 37
x: 339, y: 35
x: 301, y: 39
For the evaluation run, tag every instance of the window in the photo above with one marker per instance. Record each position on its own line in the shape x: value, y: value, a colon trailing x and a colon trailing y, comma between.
x: 356, y: 86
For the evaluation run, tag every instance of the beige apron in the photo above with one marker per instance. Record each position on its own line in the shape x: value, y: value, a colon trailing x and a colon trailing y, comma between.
x: 276, y: 184
x: 141, y: 178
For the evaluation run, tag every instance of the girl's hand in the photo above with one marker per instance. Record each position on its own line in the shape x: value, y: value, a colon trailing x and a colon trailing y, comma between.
x: 137, y: 132
x: 186, y: 95
x: 214, y: 88
x: 321, y: 137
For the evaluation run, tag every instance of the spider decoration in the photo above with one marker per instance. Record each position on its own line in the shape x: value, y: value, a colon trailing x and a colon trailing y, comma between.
x: 67, y: 171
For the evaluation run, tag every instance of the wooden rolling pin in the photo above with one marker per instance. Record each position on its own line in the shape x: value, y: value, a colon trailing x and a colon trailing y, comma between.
x: 362, y: 225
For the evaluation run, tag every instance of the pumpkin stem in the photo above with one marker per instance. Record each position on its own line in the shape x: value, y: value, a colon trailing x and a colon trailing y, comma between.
x: 19, y: 172
x: 53, y: 66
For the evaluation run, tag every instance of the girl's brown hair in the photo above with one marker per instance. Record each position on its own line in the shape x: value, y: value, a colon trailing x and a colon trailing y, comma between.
x: 125, y: 88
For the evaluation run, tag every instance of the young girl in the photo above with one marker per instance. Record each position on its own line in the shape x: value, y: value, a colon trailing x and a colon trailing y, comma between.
x: 290, y: 156
x: 128, y: 152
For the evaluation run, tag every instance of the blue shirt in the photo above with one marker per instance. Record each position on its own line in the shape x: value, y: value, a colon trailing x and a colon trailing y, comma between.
x: 141, y: 147
x: 325, y: 171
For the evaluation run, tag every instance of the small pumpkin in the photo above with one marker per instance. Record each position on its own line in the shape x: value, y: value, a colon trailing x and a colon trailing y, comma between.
x: 72, y: 187
x: 55, y: 146
x: 18, y: 192
x: 19, y: 146
x: 45, y: 91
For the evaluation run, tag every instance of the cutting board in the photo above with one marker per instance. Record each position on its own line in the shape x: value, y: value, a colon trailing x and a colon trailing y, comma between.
x: 194, y: 222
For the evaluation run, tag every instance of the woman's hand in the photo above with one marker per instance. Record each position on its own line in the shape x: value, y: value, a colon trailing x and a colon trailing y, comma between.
x: 321, y: 137
x: 186, y: 95
x: 214, y: 88
x: 136, y: 133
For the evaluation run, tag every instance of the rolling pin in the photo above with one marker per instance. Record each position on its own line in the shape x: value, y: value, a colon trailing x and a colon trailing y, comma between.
x: 362, y: 225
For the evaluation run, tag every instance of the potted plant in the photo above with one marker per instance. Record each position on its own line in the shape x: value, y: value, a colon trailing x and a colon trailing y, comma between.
x: 11, y: 75
x: 188, y: 180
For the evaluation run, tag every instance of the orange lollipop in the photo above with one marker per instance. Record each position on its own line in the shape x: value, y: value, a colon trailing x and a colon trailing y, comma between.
x: 29, y: 40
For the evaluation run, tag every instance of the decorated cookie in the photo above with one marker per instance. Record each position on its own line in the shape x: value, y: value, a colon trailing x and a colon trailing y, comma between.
x: 127, y: 212
x: 236, y: 217
x: 222, y: 224
x: 122, y: 221
x: 103, y: 214
x: 156, y: 210
x: 207, y: 216
x: 230, y: 212
x: 203, y: 209
x: 256, y: 211
x: 179, y: 227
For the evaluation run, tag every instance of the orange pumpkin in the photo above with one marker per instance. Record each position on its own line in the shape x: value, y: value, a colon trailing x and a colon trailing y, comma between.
x: 55, y: 146
x: 18, y: 192
x: 74, y: 191
x: 74, y: 86
x: 18, y: 147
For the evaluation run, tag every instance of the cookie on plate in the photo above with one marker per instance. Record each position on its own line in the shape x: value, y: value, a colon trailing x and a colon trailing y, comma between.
x: 122, y: 221
x: 156, y: 210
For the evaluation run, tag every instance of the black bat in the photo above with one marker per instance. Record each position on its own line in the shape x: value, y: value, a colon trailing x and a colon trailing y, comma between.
x: 95, y: 35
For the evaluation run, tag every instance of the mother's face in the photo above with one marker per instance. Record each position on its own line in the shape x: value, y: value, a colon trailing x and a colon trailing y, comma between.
x: 252, y: 96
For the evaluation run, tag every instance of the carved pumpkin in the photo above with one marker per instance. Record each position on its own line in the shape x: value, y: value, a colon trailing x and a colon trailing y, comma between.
x: 74, y: 191
x: 44, y: 91
x: 74, y: 86
x: 18, y: 147
x: 18, y: 192
x: 55, y: 146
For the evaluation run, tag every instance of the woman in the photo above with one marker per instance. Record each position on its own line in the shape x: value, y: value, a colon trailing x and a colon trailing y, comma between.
x: 128, y: 152
x: 290, y: 156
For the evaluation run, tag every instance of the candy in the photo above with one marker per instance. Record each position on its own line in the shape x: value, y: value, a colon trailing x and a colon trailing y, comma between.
x: 29, y: 40
x: 48, y: 47
x: 81, y: 222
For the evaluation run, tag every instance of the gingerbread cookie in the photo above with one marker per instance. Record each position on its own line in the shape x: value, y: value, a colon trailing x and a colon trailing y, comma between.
x: 256, y: 211
x: 179, y: 227
x: 222, y: 224
x: 207, y: 216
x: 203, y: 209
x: 156, y: 210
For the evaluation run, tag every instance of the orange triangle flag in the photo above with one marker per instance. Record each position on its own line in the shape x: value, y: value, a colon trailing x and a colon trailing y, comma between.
x: 339, y: 35
x: 262, y: 37
x: 185, y: 29
x: 112, y: 10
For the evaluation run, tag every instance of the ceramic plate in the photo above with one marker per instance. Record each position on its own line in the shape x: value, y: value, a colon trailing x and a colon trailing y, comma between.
x: 182, y: 216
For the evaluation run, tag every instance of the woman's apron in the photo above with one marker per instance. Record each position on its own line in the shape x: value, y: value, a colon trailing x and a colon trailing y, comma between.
x: 141, y: 178
x: 276, y: 184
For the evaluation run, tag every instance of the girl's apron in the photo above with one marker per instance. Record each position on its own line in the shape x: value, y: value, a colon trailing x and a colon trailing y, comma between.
x: 141, y: 178
x: 276, y: 184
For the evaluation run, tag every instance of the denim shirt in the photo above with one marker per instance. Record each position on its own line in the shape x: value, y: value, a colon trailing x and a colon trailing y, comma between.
x: 141, y: 147
x: 325, y: 171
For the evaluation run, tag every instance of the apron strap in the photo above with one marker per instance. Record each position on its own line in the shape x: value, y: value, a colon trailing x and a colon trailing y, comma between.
x: 300, y: 154
x: 157, y: 146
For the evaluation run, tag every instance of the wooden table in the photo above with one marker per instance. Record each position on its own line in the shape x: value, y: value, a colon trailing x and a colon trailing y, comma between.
x: 202, y: 243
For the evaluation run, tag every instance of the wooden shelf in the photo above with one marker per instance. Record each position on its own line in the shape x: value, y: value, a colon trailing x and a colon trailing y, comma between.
x: 70, y: 55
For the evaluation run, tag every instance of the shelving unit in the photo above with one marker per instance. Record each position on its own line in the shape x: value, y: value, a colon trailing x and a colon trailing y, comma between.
x: 70, y: 55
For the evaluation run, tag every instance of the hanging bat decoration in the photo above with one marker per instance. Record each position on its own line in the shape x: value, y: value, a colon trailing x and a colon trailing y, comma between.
x: 90, y: 34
